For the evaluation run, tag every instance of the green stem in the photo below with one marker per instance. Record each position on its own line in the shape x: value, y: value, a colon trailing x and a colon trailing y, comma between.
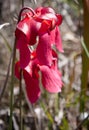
x: 84, y: 47
x: 47, y: 112
x: 12, y: 87
x: 20, y: 95
x: 85, y: 58
x: 20, y: 90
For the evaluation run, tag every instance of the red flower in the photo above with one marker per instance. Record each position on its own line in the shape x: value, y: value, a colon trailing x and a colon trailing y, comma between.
x: 31, y: 81
x: 40, y: 29
x: 51, y: 77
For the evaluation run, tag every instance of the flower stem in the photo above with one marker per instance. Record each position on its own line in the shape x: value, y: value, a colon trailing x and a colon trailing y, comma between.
x: 22, y: 3
x: 12, y: 86
x: 85, y: 58
x: 25, y: 8
x: 20, y: 95
x: 20, y: 87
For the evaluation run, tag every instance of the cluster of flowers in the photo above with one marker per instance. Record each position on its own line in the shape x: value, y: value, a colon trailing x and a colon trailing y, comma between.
x: 39, y: 28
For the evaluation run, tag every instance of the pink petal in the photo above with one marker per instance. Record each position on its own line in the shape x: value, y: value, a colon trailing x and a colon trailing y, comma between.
x: 59, y: 19
x: 34, y: 31
x: 47, y: 13
x: 43, y: 10
x: 24, y: 52
x: 54, y: 54
x: 44, y: 52
x: 27, y: 28
x: 32, y: 87
x: 23, y: 28
x: 32, y: 68
x: 51, y: 79
x: 45, y: 26
x: 58, y: 40
x: 53, y: 35
x: 48, y: 16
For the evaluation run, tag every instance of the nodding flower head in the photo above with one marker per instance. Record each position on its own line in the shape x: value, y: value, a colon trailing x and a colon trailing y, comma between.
x: 36, y: 33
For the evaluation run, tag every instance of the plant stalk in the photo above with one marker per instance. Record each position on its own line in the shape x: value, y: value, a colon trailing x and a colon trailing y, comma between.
x: 12, y: 87
x: 85, y: 58
x: 20, y: 95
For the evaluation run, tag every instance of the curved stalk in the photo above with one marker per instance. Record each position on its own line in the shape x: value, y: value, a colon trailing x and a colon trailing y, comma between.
x: 25, y: 8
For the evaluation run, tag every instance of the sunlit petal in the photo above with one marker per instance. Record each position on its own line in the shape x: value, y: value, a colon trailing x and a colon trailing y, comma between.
x: 44, y: 51
x: 51, y: 79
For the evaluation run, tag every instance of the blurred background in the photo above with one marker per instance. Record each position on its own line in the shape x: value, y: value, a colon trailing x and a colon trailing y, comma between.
x: 68, y: 110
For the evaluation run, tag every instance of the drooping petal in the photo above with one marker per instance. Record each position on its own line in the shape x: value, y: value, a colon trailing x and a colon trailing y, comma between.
x: 48, y: 16
x: 23, y: 29
x: 34, y: 31
x: 27, y: 28
x: 51, y: 79
x: 32, y: 68
x: 32, y: 87
x: 45, y: 13
x: 58, y: 40
x: 44, y: 51
x: 53, y: 35
x: 54, y: 54
x: 44, y: 10
x: 45, y: 27
x: 59, y: 19
x: 24, y: 51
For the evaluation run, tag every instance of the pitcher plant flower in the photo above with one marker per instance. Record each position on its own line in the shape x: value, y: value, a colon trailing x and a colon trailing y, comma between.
x: 36, y: 33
